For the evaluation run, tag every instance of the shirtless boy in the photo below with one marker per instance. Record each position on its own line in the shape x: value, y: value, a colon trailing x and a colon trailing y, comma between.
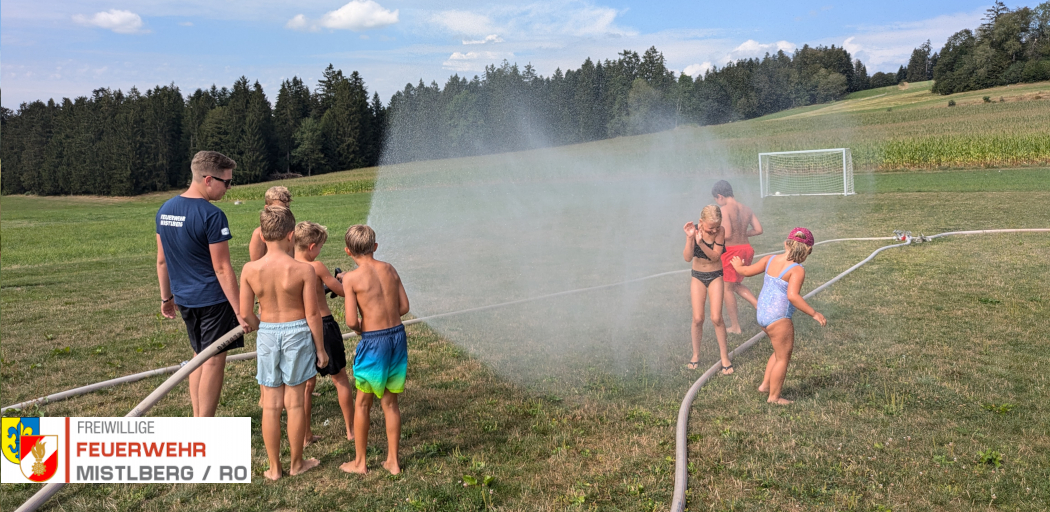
x: 740, y: 224
x: 381, y: 363
x: 289, y: 342
x: 310, y: 237
x: 275, y: 196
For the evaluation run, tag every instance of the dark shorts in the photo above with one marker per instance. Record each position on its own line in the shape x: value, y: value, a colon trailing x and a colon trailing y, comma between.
x: 333, y: 346
x: 206, y: 324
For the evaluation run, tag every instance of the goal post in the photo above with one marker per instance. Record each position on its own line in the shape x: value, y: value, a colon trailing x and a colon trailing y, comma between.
x: 816, y: 172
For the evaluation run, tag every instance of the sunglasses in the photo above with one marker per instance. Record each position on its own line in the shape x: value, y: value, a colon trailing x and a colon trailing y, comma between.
x: 228, y: 183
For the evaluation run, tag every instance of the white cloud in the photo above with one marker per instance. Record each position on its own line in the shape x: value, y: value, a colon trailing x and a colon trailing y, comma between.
x: 752, y: 48
x: 697, y: 70
x: 474, y: 61
x: 121, y: 22
x: 357, y: 15
x: 883, y: 48
x: 571, y: 18
x: 298, y: 22
x: 186, y: 24
x: 492, y: 38
x: 464, y: 23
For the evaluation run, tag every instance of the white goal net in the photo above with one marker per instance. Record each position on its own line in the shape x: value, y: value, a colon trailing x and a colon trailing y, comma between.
x: 803, y: 173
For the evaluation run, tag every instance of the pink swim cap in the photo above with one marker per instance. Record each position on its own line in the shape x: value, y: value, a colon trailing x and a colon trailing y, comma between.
x: 802, y: 235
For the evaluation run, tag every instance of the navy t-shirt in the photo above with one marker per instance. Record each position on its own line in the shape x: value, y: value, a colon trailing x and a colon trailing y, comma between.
x: 187, y: 227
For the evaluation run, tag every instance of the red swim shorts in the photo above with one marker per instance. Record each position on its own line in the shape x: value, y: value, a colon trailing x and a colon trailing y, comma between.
x: 745, y: 252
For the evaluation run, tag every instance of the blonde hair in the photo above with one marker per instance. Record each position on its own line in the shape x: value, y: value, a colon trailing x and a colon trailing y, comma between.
x: 711, y: 213
x: 278, y: 194
x: 207, y: 163
x: 276, y: 222
x: 797, y: 251
x: 360, y: 239
x: 307, y: 233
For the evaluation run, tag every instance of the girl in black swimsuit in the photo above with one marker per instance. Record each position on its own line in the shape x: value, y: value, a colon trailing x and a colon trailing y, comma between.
x: 704, y: 245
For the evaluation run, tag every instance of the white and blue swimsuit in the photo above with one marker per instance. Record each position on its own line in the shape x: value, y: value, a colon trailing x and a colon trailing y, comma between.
x: 773, y: 303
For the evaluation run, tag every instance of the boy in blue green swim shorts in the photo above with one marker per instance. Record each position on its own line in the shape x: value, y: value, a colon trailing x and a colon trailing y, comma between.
x: 374, y: 289
x: 290, y: 340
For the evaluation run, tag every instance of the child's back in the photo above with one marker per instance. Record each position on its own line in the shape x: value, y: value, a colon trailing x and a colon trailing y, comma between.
x: 378, y: 292
x: 278, y: 282
x: 739, y: 217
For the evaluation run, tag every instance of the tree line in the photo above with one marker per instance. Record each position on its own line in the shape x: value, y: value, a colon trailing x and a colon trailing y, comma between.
x: 116, y: 143
x: 510, y: 108
x: 1011, y: 46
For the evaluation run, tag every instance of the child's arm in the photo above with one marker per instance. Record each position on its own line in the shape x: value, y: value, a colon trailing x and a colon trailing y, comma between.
x: 402, y: 296
x: 313, y: 316
x: 756, y: 226
x: 690, y: 241
x: 350, y: 306
x: 247, y: 311
x: 257, y: 246
x: 795, y: 279
x: 326, y: 277
x: 749, y: 270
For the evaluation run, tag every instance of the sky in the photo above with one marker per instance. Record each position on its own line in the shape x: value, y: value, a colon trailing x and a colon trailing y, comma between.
x: 56, y: 49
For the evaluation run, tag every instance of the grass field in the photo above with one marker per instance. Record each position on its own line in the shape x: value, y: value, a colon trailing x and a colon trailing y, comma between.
x: 926, y: 391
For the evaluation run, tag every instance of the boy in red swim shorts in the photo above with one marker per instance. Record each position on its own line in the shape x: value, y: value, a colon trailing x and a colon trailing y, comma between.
x: 740, y: 224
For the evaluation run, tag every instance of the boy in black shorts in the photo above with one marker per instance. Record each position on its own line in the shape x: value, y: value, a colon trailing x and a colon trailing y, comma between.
x: 309, y: 239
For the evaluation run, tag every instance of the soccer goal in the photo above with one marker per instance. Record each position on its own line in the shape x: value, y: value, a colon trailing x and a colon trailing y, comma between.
x: 817, y: 172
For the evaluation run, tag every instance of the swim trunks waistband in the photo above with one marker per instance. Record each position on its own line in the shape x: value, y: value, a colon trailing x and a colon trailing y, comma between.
x: 282, y: 326
x: 384, y: 332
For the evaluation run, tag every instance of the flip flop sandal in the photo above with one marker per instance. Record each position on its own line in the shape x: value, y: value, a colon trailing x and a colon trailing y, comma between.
x: 693, y: 365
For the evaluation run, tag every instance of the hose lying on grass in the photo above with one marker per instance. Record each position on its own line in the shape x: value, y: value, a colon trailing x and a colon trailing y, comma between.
x: 251, y: 355
x: 144, y: 406
x: 681, y: 468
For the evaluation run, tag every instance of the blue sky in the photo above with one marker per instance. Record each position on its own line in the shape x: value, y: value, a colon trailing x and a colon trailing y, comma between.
x: 58, y: 48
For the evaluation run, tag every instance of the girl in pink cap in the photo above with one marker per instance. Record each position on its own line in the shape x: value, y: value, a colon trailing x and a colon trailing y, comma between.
x: 777, y: 302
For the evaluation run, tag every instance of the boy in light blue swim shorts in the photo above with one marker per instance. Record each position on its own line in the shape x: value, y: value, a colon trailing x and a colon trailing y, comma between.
x: 290, y: 340
x: 374, y: 289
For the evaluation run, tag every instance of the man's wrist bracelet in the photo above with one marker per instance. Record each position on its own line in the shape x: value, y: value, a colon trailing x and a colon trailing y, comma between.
x: 167, y: 300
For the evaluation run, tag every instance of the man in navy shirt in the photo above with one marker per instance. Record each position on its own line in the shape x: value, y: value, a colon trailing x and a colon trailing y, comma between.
x: 195, y: 273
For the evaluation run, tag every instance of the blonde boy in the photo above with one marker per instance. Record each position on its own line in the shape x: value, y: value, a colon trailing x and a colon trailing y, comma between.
x: 278, y: 196
x: 381, y: 362
x: 289, y: 342
x: 310, y: 237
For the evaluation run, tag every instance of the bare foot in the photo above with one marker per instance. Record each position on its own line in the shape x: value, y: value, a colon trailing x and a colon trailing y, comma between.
x: 734, y: 329
x: 353, y: 467
x: 307, y: 465
x: 392, y: 467
x: 310, y: 439
x: 763, y: 388
x: 781, y: 401
x: 349, y: 436
x: 273, y: 473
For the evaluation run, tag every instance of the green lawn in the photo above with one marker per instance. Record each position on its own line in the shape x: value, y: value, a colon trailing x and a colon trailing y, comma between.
x: 940, y: 347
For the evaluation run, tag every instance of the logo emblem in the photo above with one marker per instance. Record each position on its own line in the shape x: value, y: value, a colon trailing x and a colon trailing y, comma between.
x: 225, y: 231
x: 39, y: 457
x: 11, y: 434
